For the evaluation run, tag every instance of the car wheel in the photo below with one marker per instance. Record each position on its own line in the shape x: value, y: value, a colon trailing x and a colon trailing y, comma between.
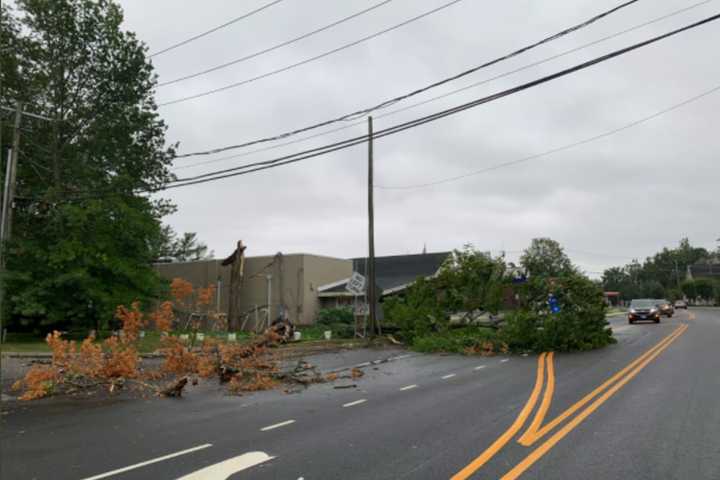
x: 630, y: 321
x: 657, y: 320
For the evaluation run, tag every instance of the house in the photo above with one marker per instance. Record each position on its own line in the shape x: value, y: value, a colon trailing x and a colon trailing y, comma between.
x: 393, y: 274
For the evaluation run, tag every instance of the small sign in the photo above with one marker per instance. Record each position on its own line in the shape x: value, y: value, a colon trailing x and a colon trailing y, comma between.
x: 184, y: 337
x: 553, y: 303
x: 356, y: 284
x: 200, y: 336
x: 232, y: 337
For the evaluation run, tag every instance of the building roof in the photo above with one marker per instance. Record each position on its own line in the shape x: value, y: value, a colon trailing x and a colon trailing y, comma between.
x: 396, y: 271
x: 700, y: 270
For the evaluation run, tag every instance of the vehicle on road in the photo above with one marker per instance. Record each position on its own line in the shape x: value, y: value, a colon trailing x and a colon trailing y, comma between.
x: 680, y: 304
x: 644, y: 309
x: 666, y: 307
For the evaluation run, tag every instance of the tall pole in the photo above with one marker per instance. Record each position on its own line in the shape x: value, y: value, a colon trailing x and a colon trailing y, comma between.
x: 7, y: 206
x: 371, y: 235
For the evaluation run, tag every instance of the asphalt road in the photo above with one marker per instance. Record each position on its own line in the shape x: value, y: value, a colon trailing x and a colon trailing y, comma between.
x: 418, y: 416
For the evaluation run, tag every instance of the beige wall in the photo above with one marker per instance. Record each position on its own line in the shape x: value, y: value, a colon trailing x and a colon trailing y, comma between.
x: 295, y: 279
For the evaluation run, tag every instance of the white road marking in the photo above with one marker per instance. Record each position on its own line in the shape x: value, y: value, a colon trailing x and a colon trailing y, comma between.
x: 409, y: 387
x: 504, y: 360
x: 363, y: 364
x: 277, y: 425
x: 449, y: 376
x: 400, y: 357
x: 148, y: 462
x: 479, y: 367
x: 356, y: 402
x: 223, y: 470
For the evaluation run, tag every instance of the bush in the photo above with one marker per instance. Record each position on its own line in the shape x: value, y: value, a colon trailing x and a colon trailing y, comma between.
x: 329, y: 316
x: 460, y: 340
x: 340, y: 320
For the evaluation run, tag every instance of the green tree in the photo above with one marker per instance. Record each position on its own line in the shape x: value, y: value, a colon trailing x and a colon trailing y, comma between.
x: 705, y: 288
x: 83, y: 235
x: 545, y: 257
x: 689, y: 289
x: 184, y: 249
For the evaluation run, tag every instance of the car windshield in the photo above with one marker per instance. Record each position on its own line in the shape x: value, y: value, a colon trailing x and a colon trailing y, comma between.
x: 642, y: 304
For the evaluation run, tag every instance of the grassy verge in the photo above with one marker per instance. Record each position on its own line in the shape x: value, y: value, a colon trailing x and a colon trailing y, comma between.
x: 470, y: 340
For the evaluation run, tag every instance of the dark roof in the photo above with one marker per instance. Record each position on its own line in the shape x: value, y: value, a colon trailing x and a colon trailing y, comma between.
x: 397, y: 270
x: 700, y: 270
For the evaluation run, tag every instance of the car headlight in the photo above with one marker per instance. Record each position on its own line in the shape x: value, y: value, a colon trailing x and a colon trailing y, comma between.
x: 653, y: 310
x: 632, y: 310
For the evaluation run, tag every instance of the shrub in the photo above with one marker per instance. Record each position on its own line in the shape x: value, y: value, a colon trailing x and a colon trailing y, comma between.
x: 469, y: 340
x: 340, y: 320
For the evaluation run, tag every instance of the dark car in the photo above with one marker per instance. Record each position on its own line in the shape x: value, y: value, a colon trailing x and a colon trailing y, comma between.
x: 644, y: 309
x: 666, y: 307
x: 680, y: 304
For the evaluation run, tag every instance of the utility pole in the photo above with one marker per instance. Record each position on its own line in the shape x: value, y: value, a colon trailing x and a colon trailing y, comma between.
x: 7, y: 206
x: 371, y: 236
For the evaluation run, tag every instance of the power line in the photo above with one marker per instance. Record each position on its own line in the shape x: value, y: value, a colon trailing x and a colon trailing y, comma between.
x: 230, y: 172
x: 554, y: 150
x: 453, y: 92
x: 275, y: 47
x: 215, y: 29
x: 246, y: 169
x: 391, y: 101
x: 311, y: 59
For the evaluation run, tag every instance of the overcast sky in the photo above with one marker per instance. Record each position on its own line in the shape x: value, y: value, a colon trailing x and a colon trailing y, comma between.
x: 621, y: 197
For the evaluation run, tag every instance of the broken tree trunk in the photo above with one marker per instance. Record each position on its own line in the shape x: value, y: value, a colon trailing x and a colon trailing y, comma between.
x: 237, y: 268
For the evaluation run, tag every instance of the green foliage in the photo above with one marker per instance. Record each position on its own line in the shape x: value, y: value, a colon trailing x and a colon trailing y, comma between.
x: 82, y: 237
x: 340, y: 321
x: 705, y: 288
x: 459, y: 340
x: 689, y: 288
x: 545, y: 257
x: 468, y: 281
x: 657, y: 274
x: 184, y: 249
x: 580, y: 325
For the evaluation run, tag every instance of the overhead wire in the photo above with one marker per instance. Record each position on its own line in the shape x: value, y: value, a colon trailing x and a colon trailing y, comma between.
x: 451, y: 111
x: 215, y: 29
x: 452, y: 92
x: 554, y: 150
x: 418, y: 91
x: 311, y: 59
x: 277, y: 46
x: 246, y: 169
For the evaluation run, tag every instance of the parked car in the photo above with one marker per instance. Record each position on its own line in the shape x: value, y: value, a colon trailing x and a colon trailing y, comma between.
x: 680, y: 304
x: 666, y: 308
x: 644, y: 309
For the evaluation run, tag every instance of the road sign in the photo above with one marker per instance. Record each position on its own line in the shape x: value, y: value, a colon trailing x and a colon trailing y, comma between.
x: 356, y: 284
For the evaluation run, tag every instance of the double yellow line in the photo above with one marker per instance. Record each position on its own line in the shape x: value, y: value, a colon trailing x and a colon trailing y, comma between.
x: 536, y: 431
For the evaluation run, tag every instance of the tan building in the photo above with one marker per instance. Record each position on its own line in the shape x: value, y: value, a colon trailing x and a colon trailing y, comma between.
x: 294, y: 280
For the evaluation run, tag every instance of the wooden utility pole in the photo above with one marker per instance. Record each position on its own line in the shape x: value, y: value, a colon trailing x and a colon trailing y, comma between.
x: 371, y: 236
x: 7, y: 205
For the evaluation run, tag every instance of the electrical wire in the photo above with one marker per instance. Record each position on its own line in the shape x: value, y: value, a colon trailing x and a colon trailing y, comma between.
x: 215, y: 29
x: 452, y: 92
x: 246, y: 169
x: 311, y: 59
x: 554, y: 150
x: 438, y: 115
x: 275, y: 47
x: 394, y: 100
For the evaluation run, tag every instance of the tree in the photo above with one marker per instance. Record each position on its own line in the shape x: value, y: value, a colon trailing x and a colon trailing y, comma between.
x: 83, y: 235
x: 545, y: 257
x: 188, y: 248
x: 184, y: 249
x: 689, y: 289
x: 705, y: 288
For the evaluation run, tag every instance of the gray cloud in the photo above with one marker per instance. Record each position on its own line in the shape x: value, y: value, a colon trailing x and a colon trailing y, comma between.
x: 626, y: 195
